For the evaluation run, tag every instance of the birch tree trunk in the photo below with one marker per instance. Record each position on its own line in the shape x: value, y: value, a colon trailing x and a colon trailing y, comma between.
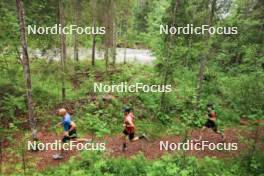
x: 26, y: 68
x: 114, y: 44
x: 63, y: 50
x: 106, y: 58
x: 76, y: 22
x: 1, y: 156
x: 94, y: 35
x: 125, y: 53
x: 108, y: 38
x: 114, y: 32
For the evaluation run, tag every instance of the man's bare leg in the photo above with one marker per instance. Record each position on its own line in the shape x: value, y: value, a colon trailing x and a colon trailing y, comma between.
x: 124, y: 147
x: 143, y: 136
x: 134, y: 139
x: 221, y: 134
x: 82, y: 140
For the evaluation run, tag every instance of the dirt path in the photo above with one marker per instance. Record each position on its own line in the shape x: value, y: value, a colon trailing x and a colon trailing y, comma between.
x: 151, y: 149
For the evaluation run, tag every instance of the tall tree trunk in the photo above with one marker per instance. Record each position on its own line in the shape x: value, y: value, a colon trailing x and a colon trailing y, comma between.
x: 24, y: 165
x: 106, y: 58
x: 125, y: 53
x: 1, y: 156
x: 94, y: 47
x: 205, y: 58
x: 125, y: 42
x: 108, y: 38
x: 114, y: 44
x: 63, y: 50
x: 94, y: 35
x: 167, y: 66
x: 26, y: 68
x: 253, y: 147
x: 76, y: 22
x: 163, y: 95
x: 113, y: 32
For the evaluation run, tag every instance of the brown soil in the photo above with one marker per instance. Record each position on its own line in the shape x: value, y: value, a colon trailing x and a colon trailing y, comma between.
x: 150, y: 149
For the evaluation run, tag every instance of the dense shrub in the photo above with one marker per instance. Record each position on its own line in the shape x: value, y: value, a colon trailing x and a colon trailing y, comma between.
x: 94, y: 163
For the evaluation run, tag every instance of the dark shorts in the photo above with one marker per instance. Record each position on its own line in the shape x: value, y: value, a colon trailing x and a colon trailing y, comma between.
x: 130, y: 135
x: 211, y: 124
x: 72, y: 135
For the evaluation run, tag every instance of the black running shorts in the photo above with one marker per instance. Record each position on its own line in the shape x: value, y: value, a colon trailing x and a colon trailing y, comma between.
x: 211, y: 124
x: 72, y: 135
x: 130, y: 135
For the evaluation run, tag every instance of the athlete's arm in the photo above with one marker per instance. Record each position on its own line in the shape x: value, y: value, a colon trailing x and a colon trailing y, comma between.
x: 58, y: 124
x: 213, y: 119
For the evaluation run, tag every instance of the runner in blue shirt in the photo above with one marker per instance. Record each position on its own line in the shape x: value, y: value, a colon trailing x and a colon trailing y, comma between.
x: 68, y: 126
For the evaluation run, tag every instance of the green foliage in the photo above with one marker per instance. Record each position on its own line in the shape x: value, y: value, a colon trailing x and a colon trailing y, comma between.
x: 245, y: 94
x: 94, y: 163
x: 94, y: 124
x: 164, y: 118
x: 13, y: 104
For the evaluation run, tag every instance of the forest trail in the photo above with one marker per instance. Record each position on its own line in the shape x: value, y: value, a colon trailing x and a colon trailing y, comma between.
x: 151, y: 149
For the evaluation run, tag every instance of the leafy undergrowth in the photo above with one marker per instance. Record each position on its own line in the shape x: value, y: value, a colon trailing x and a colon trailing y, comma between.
x: 147, y: 153
x: 169, y: 165
x: 104, y: 118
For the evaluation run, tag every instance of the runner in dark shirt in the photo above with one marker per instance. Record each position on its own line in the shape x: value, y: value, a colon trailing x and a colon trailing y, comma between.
x: 211, y: 122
